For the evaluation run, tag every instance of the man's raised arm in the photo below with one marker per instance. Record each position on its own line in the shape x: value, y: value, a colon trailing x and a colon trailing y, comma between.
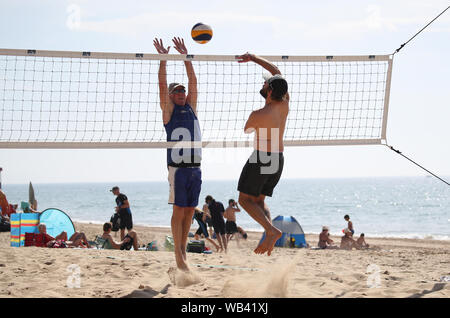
x: 273, y: 69
x: 165, y: 104
x: 192, y: 78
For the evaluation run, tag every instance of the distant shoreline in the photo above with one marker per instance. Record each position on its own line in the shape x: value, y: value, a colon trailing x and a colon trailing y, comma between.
x: 435, y: 238
x: 218, y: 180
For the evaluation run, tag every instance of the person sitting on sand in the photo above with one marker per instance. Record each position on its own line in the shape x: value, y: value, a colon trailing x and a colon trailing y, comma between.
x: 347, y: 241
x: 361, y: 242
x: 78, y: 239
x: 130, y: 240
x: 324, y: 239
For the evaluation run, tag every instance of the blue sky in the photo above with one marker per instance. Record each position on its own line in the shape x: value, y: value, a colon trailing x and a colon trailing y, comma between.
x: 420, y: 95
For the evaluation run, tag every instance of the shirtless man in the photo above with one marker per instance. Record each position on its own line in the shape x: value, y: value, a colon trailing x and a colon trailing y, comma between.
x: 130, y: 240
x: 263, y: 170
x: 361, y: 242
x: 179, y: 116
x: 230, y: 216
x: 324, y: 239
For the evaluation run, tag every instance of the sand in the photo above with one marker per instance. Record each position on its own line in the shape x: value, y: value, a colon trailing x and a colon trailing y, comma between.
x: 395, y: 268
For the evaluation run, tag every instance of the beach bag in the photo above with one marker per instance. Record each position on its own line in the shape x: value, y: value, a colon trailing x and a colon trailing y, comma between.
x: 195, y: 246
x: 151, y: 246
x: 115, y: 220
x: 5, y: 226
x: 35, y: 239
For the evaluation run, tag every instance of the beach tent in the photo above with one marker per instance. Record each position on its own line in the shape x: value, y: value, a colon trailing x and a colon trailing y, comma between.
x: 56, y: 222
x: 291, y: 229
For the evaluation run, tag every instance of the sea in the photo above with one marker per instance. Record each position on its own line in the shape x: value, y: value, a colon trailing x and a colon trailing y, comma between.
x: 398, y: 207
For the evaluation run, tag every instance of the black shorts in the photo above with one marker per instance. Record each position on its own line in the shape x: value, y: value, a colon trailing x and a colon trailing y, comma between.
x: 208, y: 222
x: 126, y: 220
x: 219, y: 226
x: 231, y: 227
x: 261, y: 173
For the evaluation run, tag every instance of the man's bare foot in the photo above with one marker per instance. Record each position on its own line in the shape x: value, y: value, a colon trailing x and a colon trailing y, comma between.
x: 269, y: 242
x: 180, y: 259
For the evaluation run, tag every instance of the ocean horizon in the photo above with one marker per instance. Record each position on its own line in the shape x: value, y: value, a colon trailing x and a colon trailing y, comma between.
x: 398, y: 207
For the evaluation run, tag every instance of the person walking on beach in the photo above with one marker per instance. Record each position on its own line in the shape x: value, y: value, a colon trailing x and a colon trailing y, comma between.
x: 124, y: 211
x: 263, y: 170
x: 230, y: 216
x: 179, y: 116
x: 349, y: 224
x: 216, y: 209
x: 199, y: 216
x: 208, y: 219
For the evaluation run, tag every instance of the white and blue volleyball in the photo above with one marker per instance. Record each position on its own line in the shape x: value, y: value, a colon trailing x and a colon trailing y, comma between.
x: 201, y: 33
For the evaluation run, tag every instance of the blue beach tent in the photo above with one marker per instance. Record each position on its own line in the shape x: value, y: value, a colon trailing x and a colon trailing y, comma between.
x: 57, y: 221
x: 291, y: 229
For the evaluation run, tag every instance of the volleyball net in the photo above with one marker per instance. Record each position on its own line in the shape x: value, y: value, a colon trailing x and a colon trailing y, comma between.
x: 61, y: 99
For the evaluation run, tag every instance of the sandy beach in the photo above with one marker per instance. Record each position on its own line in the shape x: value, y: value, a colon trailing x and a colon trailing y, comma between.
x: 394, y: 268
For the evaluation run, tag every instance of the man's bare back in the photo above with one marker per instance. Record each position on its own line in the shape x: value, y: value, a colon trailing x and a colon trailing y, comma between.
x: 271, y: 123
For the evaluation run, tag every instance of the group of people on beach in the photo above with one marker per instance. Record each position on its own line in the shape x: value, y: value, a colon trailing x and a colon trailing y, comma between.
x: 347, y: 240
x: 212, y: 217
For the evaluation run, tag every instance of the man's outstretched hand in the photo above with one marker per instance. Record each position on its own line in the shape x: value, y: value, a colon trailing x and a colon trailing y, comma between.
x: 245, y: 58
x: 160, y: 47
x: 179, y: 45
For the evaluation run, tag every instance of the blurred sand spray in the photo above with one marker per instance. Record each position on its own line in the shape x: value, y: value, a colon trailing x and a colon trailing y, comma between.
x: 270, y: 282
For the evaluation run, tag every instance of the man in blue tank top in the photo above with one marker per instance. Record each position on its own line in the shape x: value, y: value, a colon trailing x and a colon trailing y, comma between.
x: 179, y: 114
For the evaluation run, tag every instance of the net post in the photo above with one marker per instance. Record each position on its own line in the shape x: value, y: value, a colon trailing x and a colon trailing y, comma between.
x: 387, y: 96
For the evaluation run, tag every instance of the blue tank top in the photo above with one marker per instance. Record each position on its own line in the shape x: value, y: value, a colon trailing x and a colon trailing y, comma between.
x: 183, y: 126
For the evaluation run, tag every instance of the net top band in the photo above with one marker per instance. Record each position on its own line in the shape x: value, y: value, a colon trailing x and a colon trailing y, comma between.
x: 189, y: 57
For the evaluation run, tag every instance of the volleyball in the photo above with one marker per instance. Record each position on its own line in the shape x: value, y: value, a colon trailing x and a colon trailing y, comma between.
x: 201, y: 33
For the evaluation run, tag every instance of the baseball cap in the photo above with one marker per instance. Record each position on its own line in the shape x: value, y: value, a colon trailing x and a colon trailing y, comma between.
x: 173, y: 86
x: 114, y: 188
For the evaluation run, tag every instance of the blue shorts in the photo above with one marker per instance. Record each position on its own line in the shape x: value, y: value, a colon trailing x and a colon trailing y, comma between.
x: 185, y: 186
